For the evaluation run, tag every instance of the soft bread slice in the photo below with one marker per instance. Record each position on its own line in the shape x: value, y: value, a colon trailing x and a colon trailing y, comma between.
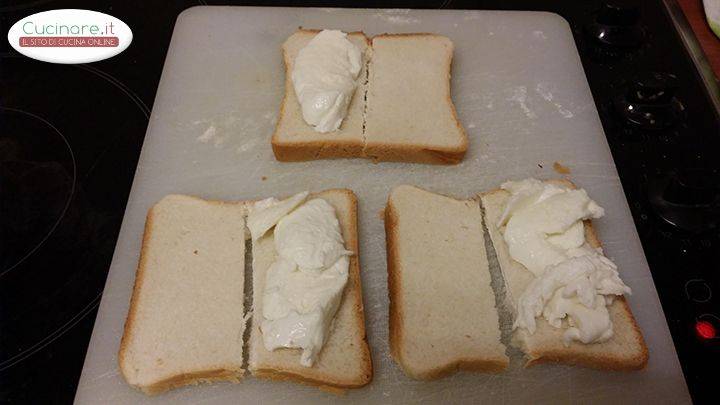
x: 185, y: 324
x: 410, y: 116
x: 626, y: 350
x: 294, y: 139
x: 344, y: 361
x: 442, y: 307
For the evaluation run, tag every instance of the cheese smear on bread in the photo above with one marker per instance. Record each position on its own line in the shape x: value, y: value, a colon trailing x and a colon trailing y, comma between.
x: 324, y: 77
x: 574, y: 283
x: 304, y: 285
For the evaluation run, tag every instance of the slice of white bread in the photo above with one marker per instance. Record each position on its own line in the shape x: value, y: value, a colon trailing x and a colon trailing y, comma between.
x: 344, y: 361
x: 442, y: 307
x: 294, y: 139
x: 626, y: 350
x: 410, y: 116
x: 185, y: 324
x: 401, y: 110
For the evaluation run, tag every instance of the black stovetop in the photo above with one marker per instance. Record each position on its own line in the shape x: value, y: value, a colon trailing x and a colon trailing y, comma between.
x: 70, y: 137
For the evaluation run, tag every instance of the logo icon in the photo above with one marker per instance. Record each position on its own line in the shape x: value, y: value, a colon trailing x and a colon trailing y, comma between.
x: 70, y: 36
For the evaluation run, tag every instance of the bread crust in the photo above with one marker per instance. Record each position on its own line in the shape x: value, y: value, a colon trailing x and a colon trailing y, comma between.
x: 353, y: 290
x: 315, y: 150
x: 297, y: 151
x: 229, y: 373
x: 414, y: 153
x: 395, y: 317
x: 194, y: 378
x: 577, y: 355
x: 132, y: 311
x: 275, y: 375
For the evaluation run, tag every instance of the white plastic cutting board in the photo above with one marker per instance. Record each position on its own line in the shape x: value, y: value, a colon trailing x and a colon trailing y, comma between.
x: 521, y: 94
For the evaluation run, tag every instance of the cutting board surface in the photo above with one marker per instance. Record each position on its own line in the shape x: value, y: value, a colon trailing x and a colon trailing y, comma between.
x: 521, y: 94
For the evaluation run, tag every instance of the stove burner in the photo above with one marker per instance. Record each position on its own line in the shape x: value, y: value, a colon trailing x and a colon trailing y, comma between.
x: 688, y: 199
x: 60, y: 208
x: 650, y: 103
x: 698, y: 290
x: 37, y: 179
x: 616, y: 26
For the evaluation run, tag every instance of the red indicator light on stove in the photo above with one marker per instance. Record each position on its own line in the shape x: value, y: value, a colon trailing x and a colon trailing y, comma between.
x: 705, y: 330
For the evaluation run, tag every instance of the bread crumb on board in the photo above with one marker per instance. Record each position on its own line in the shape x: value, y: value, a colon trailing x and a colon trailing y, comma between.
x: 263, y: 178
x: 558, y: 167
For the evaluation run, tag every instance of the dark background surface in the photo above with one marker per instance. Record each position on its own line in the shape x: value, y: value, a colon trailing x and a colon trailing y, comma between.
x: 107, y: 140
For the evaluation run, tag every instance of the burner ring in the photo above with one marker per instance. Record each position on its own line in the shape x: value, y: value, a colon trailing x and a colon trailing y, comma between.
x: 51, y: 337
x: 70, y: 195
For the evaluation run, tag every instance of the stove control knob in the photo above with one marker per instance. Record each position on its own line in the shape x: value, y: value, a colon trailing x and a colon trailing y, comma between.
x: 617, y: 25
x: 698, y: 290
x: 650, y: 102
x: 654, y: 88
x: 688, y: 199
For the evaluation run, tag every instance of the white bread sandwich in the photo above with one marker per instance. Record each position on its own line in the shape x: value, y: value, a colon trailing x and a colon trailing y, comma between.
x: 401, y: 108
x: 187, y: 321
x: 592, y: 322
x: 442, y: 307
